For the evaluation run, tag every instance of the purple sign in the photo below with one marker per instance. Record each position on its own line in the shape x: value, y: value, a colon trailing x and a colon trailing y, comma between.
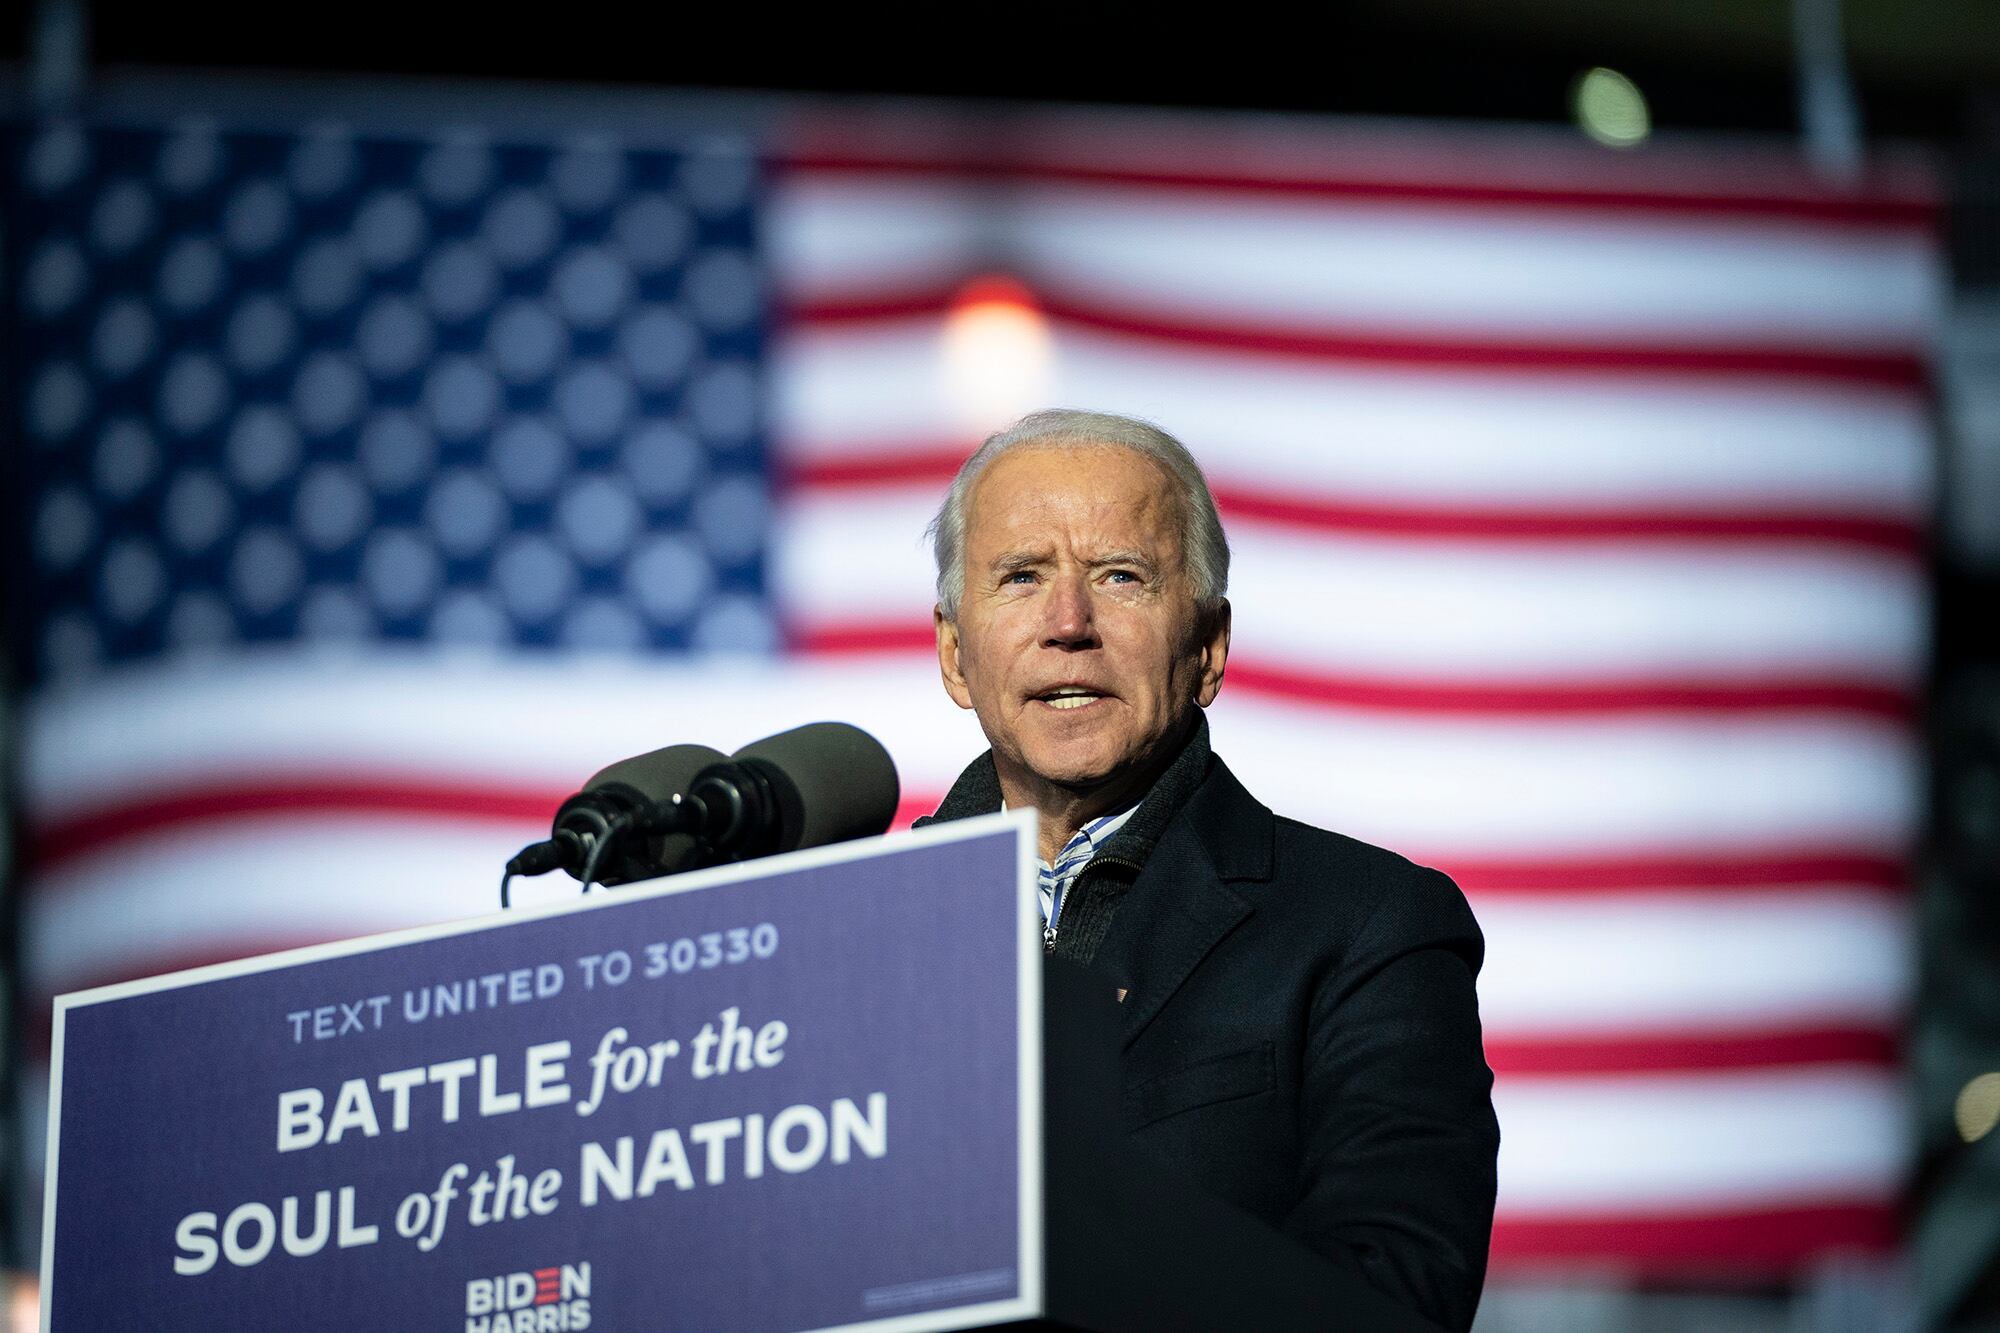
x: 798, y: 1094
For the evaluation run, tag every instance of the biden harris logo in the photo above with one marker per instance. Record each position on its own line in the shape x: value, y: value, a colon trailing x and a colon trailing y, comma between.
x: 540, y: 1300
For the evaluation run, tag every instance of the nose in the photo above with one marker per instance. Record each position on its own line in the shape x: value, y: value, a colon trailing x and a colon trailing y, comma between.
x: 1067, y: 619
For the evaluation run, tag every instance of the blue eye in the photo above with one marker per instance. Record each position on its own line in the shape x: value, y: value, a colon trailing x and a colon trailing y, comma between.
x: 1122, y: 575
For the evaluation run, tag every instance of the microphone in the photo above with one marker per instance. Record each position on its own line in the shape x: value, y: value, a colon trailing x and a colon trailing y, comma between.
x: 606, y: 807
x: 820, y: 783
x: 689, y: 806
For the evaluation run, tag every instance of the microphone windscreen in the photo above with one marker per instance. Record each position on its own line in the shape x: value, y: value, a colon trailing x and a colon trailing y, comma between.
x: 845, y: 781
x: 659, y: 774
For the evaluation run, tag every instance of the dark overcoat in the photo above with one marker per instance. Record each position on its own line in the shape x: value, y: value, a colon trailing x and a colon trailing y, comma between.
x: 1301, y: 1035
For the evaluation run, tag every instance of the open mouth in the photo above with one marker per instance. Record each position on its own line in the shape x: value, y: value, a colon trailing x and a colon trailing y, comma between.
x: 1070, y: 696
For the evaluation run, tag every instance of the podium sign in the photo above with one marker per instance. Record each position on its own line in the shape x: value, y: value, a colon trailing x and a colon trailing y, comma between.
x: 803, y: 1093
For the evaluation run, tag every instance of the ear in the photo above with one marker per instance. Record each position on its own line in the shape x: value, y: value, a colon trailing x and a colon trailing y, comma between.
x: 947, y: 650
x: 1214, y: 654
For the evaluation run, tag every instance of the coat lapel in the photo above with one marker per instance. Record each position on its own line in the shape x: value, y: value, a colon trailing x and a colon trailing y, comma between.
x: 1182, y: 904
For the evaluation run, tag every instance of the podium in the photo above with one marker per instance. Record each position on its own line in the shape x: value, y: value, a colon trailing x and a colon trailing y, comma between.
x: 842, y: 1088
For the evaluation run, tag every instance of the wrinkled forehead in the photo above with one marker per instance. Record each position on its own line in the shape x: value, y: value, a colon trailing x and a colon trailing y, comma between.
x: 1099, y: 492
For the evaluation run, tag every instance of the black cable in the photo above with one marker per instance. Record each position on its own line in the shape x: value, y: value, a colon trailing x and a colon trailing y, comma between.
x: 612, y: 830
x: 506, y: 885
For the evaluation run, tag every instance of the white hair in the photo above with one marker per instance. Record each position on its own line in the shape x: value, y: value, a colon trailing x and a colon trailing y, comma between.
x: 1204, y: 549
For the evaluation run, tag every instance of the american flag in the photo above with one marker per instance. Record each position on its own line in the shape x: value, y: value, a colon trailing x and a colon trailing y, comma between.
x: 379, y: 486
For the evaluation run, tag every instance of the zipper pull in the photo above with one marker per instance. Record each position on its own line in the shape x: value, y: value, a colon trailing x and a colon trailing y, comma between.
x: 1048, y: 939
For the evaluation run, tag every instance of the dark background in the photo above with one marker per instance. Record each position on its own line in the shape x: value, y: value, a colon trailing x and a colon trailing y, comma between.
x: 1919, y: 65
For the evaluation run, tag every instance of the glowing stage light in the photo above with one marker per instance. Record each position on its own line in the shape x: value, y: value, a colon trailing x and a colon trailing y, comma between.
x: 999, y: 354
x: 1610, y: 108
x: 1978, y: 1108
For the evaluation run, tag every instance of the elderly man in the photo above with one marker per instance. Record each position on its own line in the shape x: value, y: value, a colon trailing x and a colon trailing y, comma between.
x: 1301, y: 1033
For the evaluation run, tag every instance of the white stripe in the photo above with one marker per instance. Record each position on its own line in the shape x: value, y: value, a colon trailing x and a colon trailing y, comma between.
x: 1437, y: 610
x: 1313, y: 263
x: 1380, y: 434
x: 1574, y: 965
x: 447, y: 717
x: 1466, y: 789
x: 825, y: 234
x: 1448, y: 788
x: 904, y: 394
x: 1317, y: 261
x: 256, y: 882
x: 1436, y: 787
x: 1647, y: 1143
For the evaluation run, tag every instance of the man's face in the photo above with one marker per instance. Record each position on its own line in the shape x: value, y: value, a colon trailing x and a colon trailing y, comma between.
x: 1077, y: 641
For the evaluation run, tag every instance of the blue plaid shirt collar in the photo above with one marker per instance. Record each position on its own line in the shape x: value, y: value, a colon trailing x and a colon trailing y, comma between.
x: 1057, y: 876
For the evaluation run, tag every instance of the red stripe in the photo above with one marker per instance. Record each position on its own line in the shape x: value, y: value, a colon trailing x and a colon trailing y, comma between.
x: 880, y: 308
x: 912, y: 808
x: 1903, y: 371
x: 1385, y: 348
x: 85, y: 833
x: 1865, y: 209
x: 1511, y: 1058
x: 1901, y: 537
x: 929, y: 467
x: 1767, y: 1242
x: 935, y: 467
x: 1684, y: 1051
x: 82, y: 832
x: 1721, y: 871
x: 898, y: 636
x: 1595, y: 697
